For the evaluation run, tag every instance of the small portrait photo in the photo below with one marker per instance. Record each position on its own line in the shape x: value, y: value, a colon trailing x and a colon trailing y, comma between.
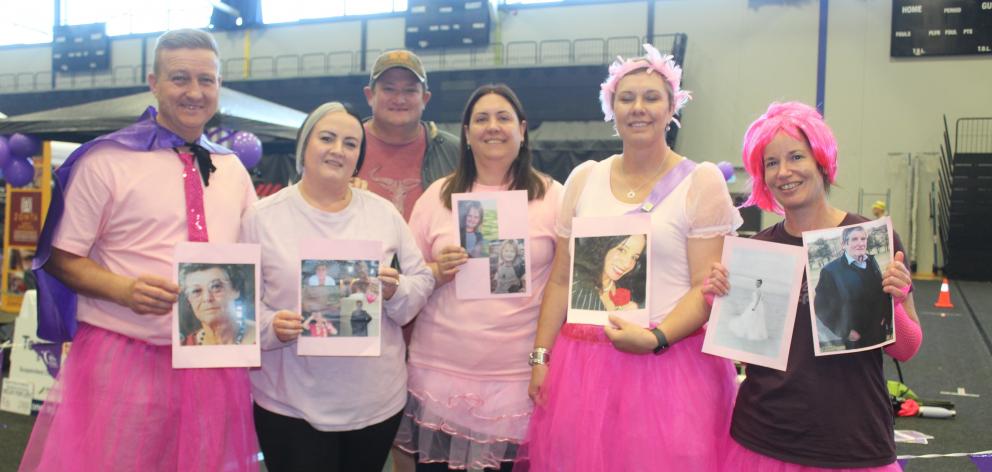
x: 216, y: 304
x: 753, y: 323
x: 477, y: 225
x: 506, y: 266
x: 339, y: 297
x: 358, y: 320
x: 609, y: 273
x: 849, y: 310
x: 19, y: 276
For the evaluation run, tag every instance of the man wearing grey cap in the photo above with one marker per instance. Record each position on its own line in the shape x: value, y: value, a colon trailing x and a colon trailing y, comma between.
x: 403, y: 154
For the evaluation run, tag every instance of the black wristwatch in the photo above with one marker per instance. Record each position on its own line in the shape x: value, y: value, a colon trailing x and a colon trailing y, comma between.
x: 662, y: 340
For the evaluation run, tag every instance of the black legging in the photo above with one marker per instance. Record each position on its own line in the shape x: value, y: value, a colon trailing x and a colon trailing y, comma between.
x: 443, y: 467
x: 291, y: 444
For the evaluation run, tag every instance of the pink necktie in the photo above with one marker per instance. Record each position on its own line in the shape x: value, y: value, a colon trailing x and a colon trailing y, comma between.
x: 196, y: 219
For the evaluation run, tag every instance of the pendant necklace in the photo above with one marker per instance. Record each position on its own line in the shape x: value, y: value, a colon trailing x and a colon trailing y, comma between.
x: 633, y: 191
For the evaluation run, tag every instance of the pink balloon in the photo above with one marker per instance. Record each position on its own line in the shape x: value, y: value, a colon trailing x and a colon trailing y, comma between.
x: 19, y: 171
x: 248, y: 148
x: 23, y: 145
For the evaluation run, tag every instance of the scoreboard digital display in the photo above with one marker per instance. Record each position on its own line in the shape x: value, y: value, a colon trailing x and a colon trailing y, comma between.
x: 941, y: 27
x: 448, y: 23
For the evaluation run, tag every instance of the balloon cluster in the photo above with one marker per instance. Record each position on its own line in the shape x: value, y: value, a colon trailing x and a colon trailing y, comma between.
x: 245, y: 145
x: 728, y: 171
x: 15, y: 158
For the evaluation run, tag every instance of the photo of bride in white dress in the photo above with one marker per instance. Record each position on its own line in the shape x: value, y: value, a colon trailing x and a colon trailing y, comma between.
x: 753, y: 323
x: 750, y: 324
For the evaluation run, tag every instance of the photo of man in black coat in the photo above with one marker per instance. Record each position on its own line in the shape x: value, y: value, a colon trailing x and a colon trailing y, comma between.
x: 849, y: 299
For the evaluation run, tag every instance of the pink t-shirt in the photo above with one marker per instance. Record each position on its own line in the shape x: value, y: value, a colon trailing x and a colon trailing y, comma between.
x: 394, y: 171
x: 126, y: 210
x: 487, y: 338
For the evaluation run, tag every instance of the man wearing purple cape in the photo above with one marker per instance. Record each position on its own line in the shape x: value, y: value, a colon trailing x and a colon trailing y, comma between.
x: 105, y: 280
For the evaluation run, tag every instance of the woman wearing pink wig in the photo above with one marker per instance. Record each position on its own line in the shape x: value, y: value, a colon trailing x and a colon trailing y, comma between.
x: 822, y: 413
x: 627, y: 398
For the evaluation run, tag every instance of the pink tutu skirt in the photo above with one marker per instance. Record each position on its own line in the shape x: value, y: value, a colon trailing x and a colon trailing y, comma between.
x: 605, y: 410
x: 118, y: 405
x: 740, y: 458
x: 468, y: 423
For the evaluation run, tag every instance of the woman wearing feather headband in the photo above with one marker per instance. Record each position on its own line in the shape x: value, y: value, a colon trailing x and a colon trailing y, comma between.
x: 628, y: 398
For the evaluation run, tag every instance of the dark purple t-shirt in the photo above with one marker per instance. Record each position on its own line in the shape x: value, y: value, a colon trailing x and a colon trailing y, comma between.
x: 830, y: 411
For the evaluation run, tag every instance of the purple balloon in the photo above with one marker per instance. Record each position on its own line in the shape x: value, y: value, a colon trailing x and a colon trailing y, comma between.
x: 4, y: 152
x: 248, y: 148
x: 22, y: 145
x: 19, y: 171
x: 727, y: 169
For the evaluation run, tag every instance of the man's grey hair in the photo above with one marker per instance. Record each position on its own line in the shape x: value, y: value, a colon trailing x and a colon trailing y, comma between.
x: 186, y: 38
x: 848, y: 231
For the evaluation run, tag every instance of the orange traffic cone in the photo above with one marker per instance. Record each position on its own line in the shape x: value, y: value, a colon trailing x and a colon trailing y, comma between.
x: 944, y: 299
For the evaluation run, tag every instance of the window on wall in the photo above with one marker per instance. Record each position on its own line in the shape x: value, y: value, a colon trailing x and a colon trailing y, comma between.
x: 284, y: 11
x: 137, y: 16
x: 26, y: 22
x: 529, y: 2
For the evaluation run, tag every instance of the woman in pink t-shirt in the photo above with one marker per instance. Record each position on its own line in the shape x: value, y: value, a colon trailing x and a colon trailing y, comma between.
x: 468, y: 374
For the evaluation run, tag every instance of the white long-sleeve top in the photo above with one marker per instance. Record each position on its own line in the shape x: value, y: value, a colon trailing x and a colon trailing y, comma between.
x: 332, y: 393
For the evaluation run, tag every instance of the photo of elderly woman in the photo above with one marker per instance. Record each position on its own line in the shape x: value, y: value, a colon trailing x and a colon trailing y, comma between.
x: 506, y: 266
x: 216, y: 304
x: 476, y: 225
x: 609, y: 273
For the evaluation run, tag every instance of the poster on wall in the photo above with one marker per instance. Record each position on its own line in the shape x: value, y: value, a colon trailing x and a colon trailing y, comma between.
x: 24, y: 216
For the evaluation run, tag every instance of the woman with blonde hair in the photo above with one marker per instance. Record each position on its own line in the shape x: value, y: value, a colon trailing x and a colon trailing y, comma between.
x: 624, y: 397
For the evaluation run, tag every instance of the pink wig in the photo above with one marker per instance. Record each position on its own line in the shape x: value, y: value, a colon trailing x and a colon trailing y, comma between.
x: 798, y: 121
x: 653, y: 61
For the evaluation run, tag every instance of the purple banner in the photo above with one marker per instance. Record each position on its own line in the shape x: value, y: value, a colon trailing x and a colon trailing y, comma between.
x: 983, y: 461
x: 51, y: 355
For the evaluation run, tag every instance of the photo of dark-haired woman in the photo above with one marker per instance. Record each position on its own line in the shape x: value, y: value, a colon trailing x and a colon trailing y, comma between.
x: 609, y: 273
x: 471, y: 217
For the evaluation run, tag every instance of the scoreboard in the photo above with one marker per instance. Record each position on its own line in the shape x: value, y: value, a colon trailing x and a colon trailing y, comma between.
x: 941, y: 27
x: 448, y: 23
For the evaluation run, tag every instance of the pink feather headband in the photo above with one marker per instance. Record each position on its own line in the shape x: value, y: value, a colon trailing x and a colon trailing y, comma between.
x: 664, y: 64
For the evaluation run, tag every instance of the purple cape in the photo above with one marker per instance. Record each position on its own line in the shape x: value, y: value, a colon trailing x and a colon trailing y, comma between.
x: 56, y: 302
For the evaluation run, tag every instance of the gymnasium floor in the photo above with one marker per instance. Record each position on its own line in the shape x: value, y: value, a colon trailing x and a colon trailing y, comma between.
x: 956, y: 353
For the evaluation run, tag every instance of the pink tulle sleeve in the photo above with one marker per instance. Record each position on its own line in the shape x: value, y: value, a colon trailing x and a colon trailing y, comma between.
x: 708, y: 205
x: 909, y: 336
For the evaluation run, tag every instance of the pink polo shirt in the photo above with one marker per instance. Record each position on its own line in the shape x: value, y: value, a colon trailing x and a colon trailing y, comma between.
x: 126, y: 211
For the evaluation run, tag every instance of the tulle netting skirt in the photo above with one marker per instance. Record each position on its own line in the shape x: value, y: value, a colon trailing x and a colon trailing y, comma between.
x: 604, y: 410
x: 740, y: 458
x: 118, y: 405
x: 468, y: 423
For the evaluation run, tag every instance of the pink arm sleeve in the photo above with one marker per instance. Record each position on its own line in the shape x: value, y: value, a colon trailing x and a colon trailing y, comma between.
x: 909, y: 336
